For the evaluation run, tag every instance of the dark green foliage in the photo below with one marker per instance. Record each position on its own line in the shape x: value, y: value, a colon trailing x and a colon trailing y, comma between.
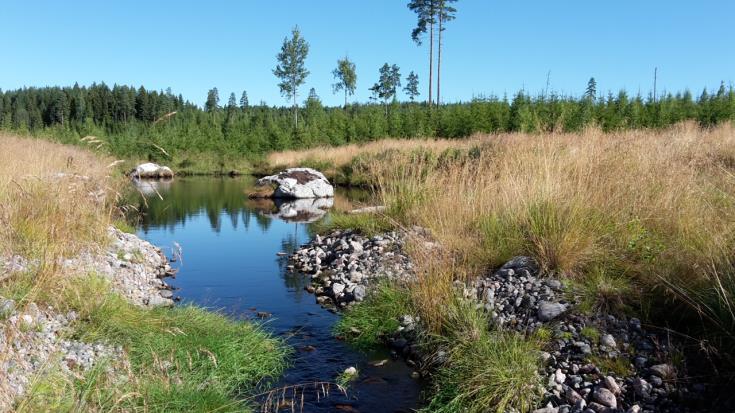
x: 132, y: 123
x: 412, y: 86
x: 389, y: 82
x: 212, y: 102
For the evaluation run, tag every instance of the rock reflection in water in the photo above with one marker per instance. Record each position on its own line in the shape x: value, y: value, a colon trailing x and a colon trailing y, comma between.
x: 150, y: 187
x: 294, y: 210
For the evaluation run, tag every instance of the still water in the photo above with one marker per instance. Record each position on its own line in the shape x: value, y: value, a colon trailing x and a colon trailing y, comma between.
x: 229, y: 247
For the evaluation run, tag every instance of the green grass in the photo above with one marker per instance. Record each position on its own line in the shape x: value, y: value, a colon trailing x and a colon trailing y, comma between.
x: 603, y: 291
x: 124, y: 226
x: 494, y: 372
x: 367, y: 224
x: 591, y: 333
x: 365, y: 324
x: 619, y: 365
x: 182, y: 359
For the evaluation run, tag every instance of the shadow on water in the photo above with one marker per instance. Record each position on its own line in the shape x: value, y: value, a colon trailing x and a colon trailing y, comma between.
x: 230, y: 263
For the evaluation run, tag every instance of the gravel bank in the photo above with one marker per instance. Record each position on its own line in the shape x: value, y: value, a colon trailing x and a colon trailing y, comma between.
x: 34, y: 339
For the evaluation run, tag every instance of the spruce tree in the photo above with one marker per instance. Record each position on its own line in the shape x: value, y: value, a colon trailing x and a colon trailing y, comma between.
x: 244, y: 100
x: 212, y: 102
x: 591, y: 92
x: 231, y: 104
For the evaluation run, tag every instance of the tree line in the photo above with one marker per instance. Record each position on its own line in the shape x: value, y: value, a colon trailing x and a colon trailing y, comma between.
x: 136, y: 121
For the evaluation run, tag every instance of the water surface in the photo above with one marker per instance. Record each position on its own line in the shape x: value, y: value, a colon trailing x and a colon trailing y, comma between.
x: 229, y: 246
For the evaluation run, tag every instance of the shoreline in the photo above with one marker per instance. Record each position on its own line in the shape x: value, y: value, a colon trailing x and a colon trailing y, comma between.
x: 584, y: 359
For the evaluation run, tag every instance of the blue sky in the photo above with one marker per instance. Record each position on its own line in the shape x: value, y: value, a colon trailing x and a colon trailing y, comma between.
x: 492, y: 47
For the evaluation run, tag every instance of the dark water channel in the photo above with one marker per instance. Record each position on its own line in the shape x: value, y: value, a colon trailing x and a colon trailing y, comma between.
x: 229, y: 246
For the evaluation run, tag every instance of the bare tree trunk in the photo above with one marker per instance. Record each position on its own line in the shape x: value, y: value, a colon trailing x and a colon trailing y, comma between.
x: 431, y: 57
x: 295, y: 111
x: 439, y: 61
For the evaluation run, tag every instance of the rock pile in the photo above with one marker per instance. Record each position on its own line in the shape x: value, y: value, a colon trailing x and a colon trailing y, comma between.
x: 594, y: 364
x: 135, y: 267
x: 607, y: 364
x: 516, y: 297
x: 342, y: 264
x: 298, y: 183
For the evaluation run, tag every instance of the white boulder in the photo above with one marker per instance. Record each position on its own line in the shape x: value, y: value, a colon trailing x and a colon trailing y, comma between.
x: 299, y: 183
x: 152, y: 170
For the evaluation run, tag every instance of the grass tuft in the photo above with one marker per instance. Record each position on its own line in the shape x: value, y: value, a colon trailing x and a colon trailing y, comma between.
x: 367, y: 323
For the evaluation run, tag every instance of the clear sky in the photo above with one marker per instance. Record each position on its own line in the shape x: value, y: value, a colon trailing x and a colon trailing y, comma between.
x: 493, y: 47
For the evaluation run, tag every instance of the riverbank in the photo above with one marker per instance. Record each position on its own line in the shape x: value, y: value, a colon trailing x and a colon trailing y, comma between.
x: 636, y: 227
x: 84, y: 310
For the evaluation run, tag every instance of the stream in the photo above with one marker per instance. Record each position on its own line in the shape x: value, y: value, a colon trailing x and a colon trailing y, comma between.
x: 230, y: 262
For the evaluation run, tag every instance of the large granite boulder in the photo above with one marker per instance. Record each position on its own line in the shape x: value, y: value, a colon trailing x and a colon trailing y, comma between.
x: 152, y: 170
x: 298, y: 183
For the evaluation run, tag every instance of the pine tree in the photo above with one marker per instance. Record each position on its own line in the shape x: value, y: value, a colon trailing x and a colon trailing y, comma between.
x: 446, y: 13
x: 313, y: 96
x: 426, y: 11
x: 291, y: 68
x: 412, y: 86
x: 388, y: 83
x: 346, y: 76
x: 244, y: 100
x: 212, y: 102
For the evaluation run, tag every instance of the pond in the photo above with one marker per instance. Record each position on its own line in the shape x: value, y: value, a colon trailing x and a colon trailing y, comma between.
x: 232, y: 261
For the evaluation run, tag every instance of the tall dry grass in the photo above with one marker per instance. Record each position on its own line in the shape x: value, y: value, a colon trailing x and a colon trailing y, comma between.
x: 54, y: 199
x: 656, y: 208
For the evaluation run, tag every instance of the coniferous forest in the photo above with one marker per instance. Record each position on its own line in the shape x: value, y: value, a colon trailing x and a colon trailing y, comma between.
x: 135, y: 122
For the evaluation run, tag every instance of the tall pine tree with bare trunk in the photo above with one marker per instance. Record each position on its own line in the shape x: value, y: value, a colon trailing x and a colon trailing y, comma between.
x: 426, y: 12
x: 445, y: 13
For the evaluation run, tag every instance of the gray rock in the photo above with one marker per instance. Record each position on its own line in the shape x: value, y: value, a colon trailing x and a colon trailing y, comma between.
x: 641, y: 387
x: 605, y: 397
x: 359, y: 292
x: 571, y: 396
x: 338, y: 288
x: 7, y: 306
x: 608, y: 341
x: 665, y: 371
x: 583, y: 347
x: 612, y: 385
x: 548, y: 311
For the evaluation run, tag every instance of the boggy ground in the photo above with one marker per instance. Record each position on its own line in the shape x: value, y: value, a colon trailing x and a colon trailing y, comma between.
x: 85, y: 323
x: 631, y: 235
